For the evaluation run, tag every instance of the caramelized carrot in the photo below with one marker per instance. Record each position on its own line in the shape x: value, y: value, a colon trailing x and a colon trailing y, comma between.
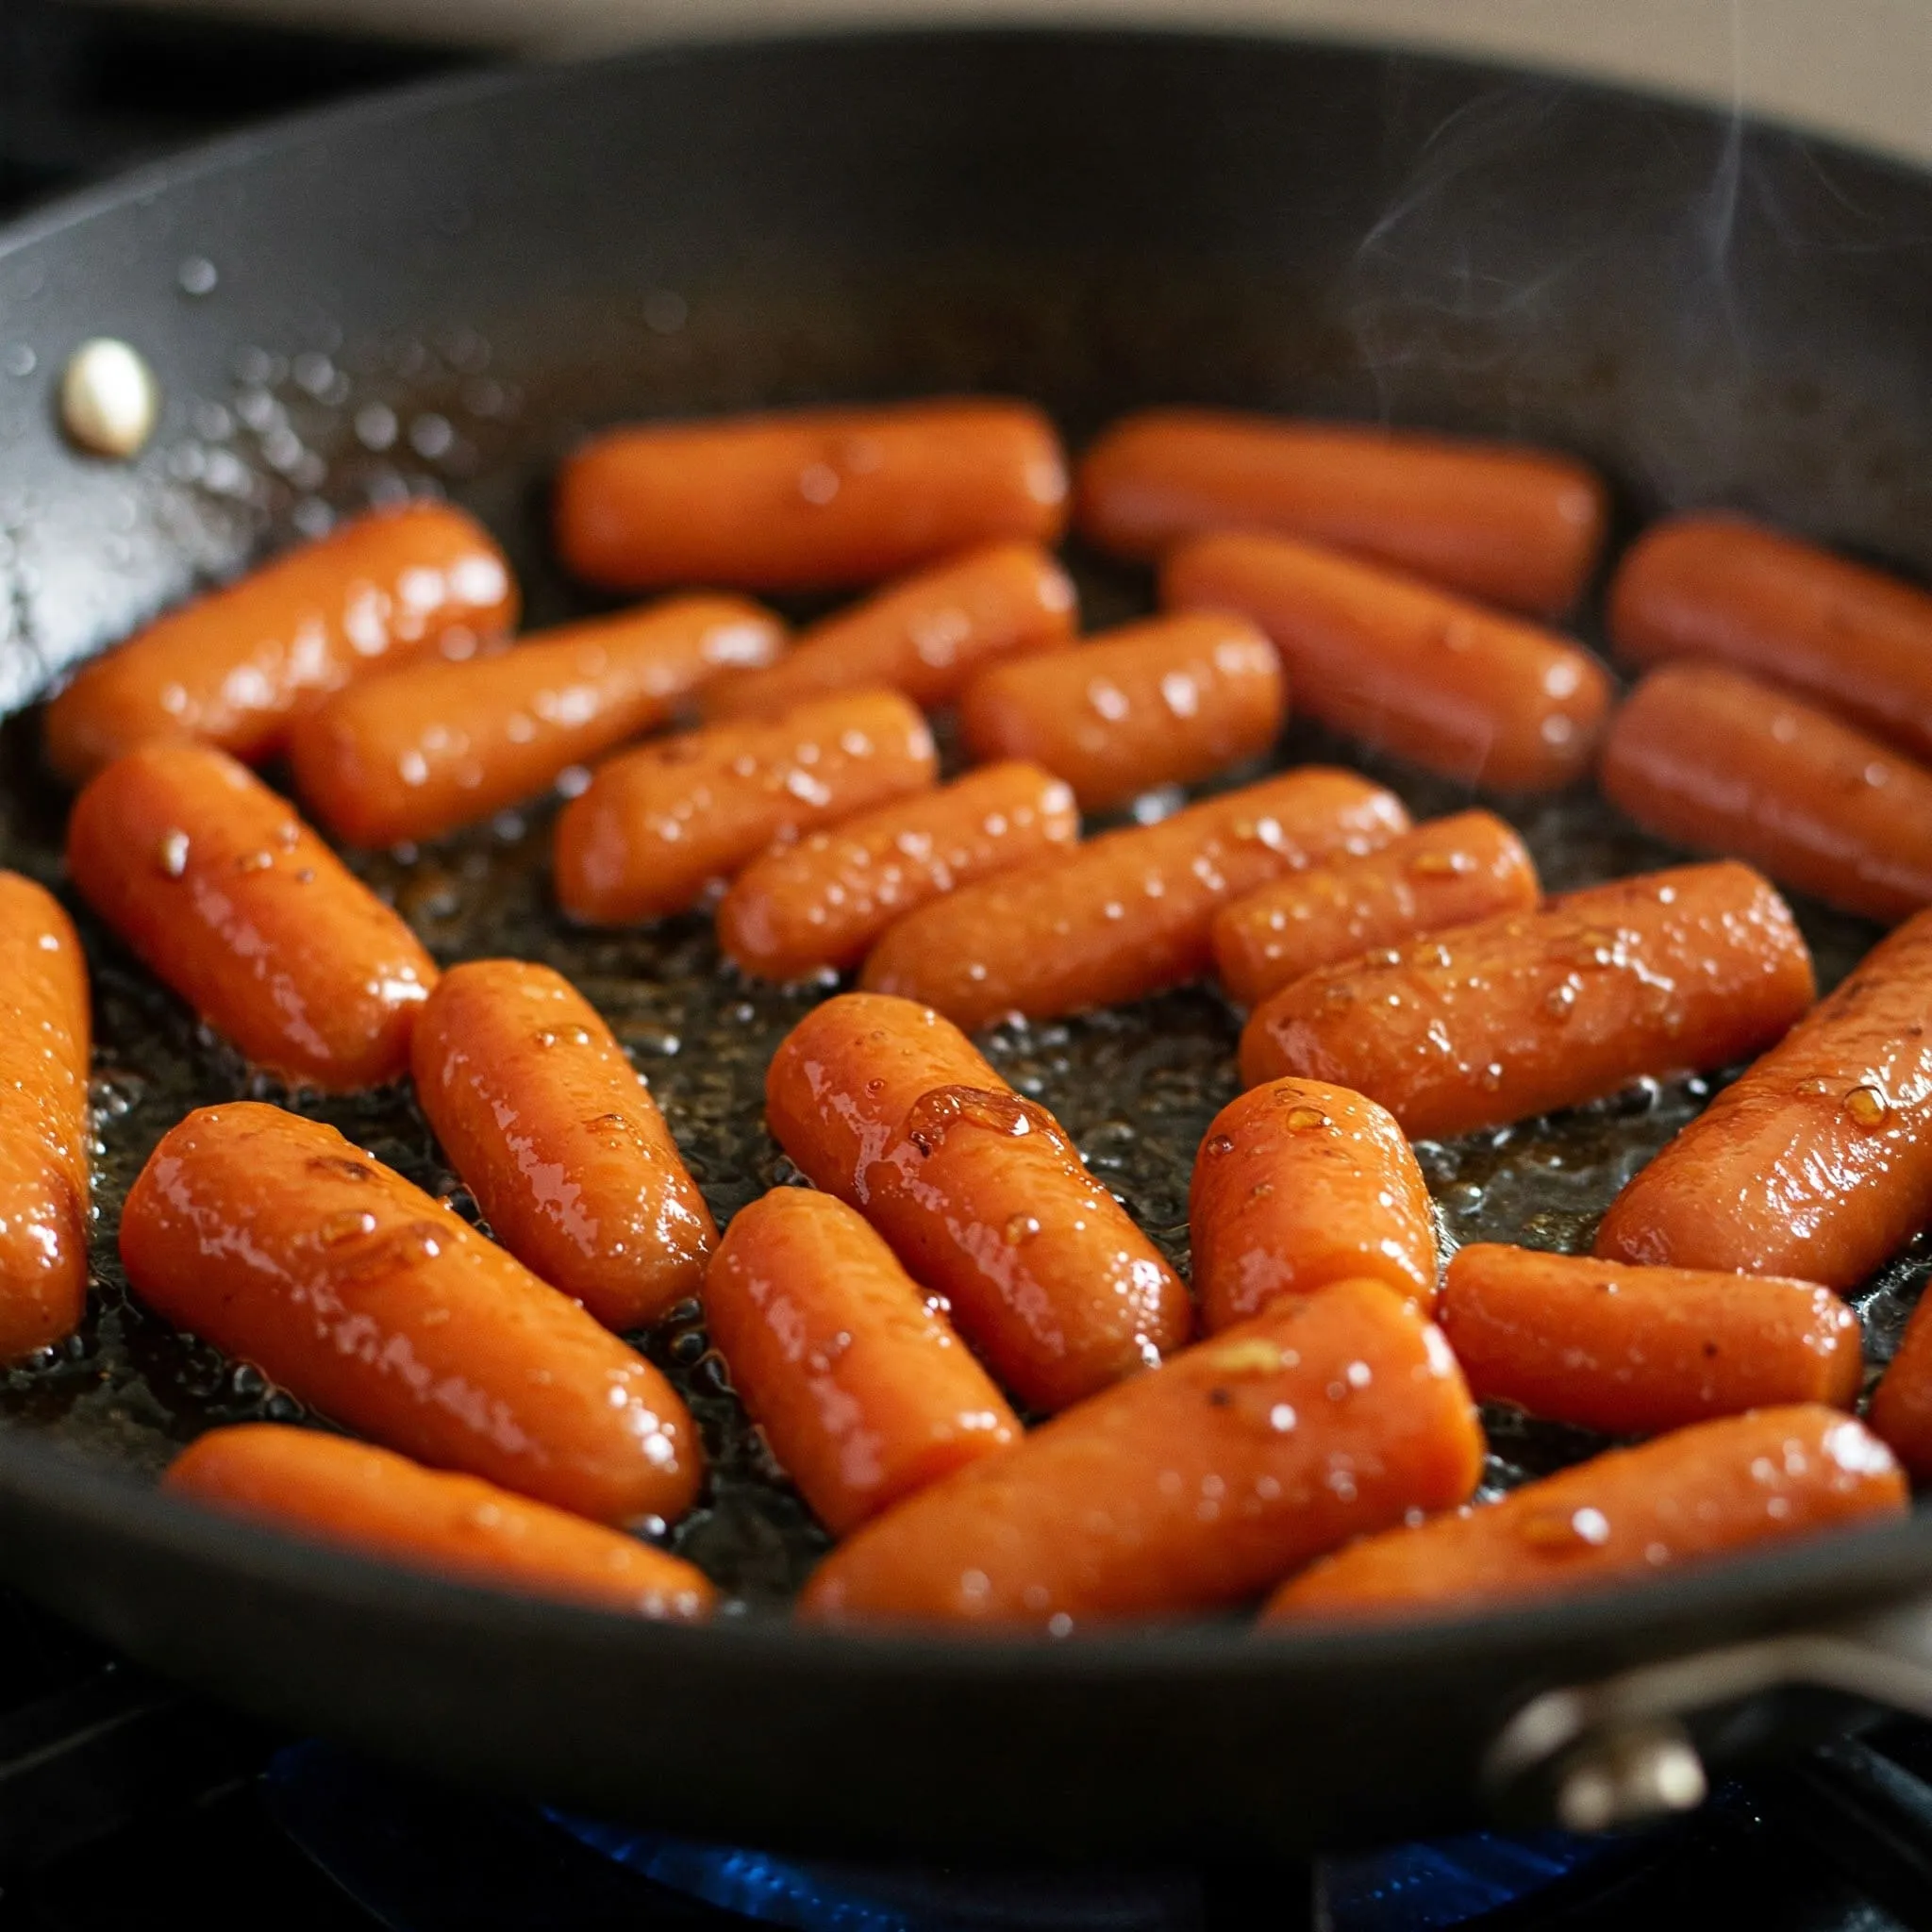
x: 356, y: 1497
x: 236, y: 668
x: 823, y: 901
x: 1672, y: 972
x: 661, y: 825
x: 422, y: 750
x: 925, y: 635
x: 1191, y: 1488
x: 560, y: 1141
x: 1637, y: 1351
x: 1450, y: 872
x: 1902, y: 1404
x: 1162, y: 703
x: 863, y: 1391
x: 1484, y: 699
x: 275, y: 1240
x: 1818, y: 1162
x: 1296, y: 1185
x: 233, y: 902
x: 807, y: 499
x: 979, y: 1192
x: 1701, y: 1493
x: 44, y: 1120
x: 1709, y: 758
x: 1505, y: 523
x: 1128, y: 913
x: 1854, y: 640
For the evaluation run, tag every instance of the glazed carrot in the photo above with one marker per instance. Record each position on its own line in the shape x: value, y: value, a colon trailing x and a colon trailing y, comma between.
x: 1193, y: 1487
x: 1162, y: 703
x: 422, y: 750
x: 1669, y: 973
x: 1508, y: 523
x: 275, y: 1240
x: 1450, y: 872
x: 560, y: 1141
x: 1128, y: 913
x: 1900, y: 1408
x: 1296, y: 1185
x: 661, y: 825
x: 233, y: 902
x: 235, y: 668
x: 1818, y: 1162
x: 356, y: 1497
x: 863, y: 1391
x: 1854, y: 640
x: 807, y: 499
x: 823, y: 901
x: 1481, y: 698
x: 925, y: 635
x: 44, y: 1120
x: 1637, y: 1351
x: 1709, y: 757
x: 980, y: 1194
x: 1701, y: 1493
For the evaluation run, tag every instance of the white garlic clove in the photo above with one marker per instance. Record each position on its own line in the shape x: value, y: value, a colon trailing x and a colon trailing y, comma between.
x: 110, y: 399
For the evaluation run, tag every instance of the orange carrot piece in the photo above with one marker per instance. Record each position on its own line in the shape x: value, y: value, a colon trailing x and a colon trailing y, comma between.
x: 807, y: 499
x: 1637, y: 1351
x: 1449, y: 871
x: 1701, y: 1493
x: 925, y: 635
x: 1901, y: 1410
x: 1296, y: 1185
x: 980, y: 1194
x: 1128, y: 913
x: 236, y: 668
x: 275, y: 1240
x: 353, y: 1496
x: 1193, y: 1487
x: 418, y: 752
x: 1481, y: 698
x: 560, y: 1141
x: 661, y: 825
x: 823, y: 901
x: 235, y: 904
x: 1670, y: 972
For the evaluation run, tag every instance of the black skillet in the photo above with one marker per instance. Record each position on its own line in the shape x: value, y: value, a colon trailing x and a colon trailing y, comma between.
x: 442, y: 288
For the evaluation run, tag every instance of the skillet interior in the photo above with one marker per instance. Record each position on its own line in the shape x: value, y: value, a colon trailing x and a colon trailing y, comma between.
x: 1713, y: 314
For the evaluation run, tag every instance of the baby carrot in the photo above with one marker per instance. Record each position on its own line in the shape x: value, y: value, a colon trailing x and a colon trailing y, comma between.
x: 1167, y: 702
x: 560, y: 1141
x: 1853, y: 639
x: 1818, y: 1162
x: 235, y: 668
x: 1197, y: 1485
x: 44, y: 1120
x: 979, y: 1193
x: 1670, y: 972
x: 925, y: 635
x: 1128, y: 913
x: 807, y: 499
x: 1502, y: 521
x: 275, y: 1240
x: 1902, y: 1404
x: 661, y: 825
x: 823, y: 901
x: 1299, y: 1184
x: 420, y: 751
x: 1481, y: 698
x: 1701, y: 1493
x: 1709, y: 757
x: 356, y: 1497
x: 1450, y: 872
x: 863, y: 1391
x: 233, y: 902
x: 1637, y: 1351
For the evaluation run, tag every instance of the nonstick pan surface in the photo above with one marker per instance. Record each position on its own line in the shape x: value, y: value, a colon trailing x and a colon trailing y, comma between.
x: 439, y: 291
